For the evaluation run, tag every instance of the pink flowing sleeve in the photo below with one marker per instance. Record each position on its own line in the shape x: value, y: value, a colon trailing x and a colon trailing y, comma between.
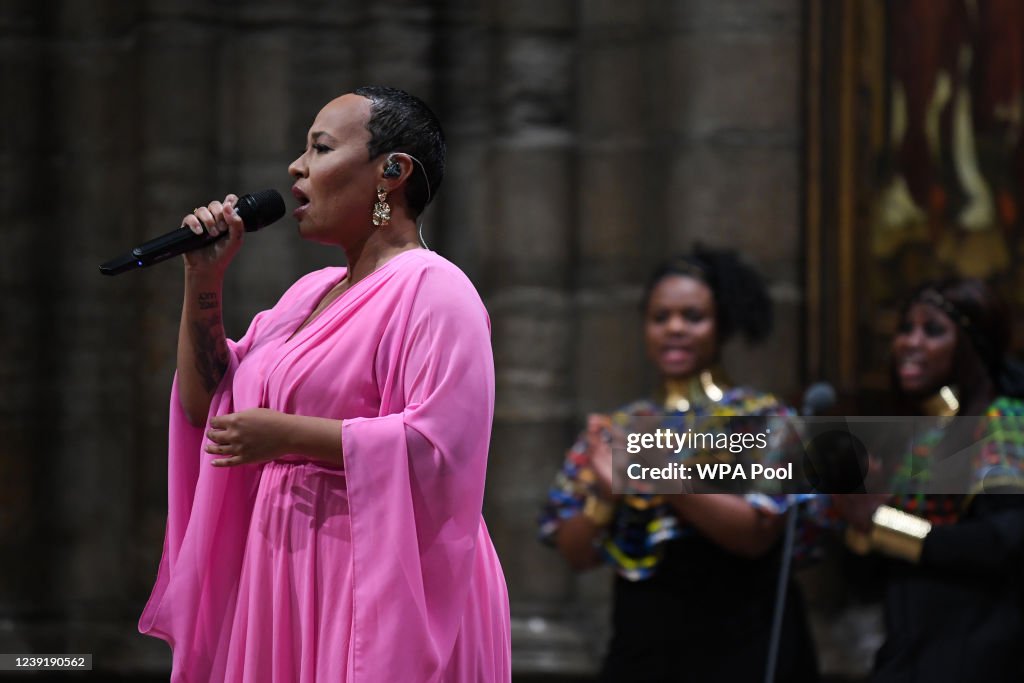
x: 185, y: 440
x: 415, y: 481
x: 208, y: 513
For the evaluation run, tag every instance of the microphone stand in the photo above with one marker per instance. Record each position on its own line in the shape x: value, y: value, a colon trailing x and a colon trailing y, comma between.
x: 780, y: 593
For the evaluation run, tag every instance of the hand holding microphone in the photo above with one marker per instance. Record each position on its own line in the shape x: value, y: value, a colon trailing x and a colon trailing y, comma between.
x: 214, y: 220
x: 204, y: 226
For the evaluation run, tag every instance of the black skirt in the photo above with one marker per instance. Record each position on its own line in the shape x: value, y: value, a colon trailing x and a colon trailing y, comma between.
x: 706, y: 615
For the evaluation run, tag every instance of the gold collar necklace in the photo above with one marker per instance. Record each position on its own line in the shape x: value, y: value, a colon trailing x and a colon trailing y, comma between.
x: 701, y: 389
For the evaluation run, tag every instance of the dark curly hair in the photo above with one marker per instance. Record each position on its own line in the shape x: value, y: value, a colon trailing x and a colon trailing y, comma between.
x: 742, y: 303
x: 400, y: 122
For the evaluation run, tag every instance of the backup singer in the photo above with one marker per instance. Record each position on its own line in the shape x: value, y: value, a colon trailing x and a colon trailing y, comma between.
x: 954, y: 564
x: 695, y: 573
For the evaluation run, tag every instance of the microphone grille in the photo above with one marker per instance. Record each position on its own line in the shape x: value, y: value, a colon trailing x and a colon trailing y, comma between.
x: 260, y: 209
x: 819, y: 398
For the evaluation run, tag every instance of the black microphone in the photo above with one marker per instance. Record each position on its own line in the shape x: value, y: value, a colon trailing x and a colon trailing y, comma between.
x: 257, y: 210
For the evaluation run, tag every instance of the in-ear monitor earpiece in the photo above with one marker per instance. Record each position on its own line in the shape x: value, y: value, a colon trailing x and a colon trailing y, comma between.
x: 392, y: 170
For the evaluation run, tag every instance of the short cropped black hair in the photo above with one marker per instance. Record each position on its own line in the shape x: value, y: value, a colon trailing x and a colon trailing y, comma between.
x: 400, y: 122
x: 742, y: 303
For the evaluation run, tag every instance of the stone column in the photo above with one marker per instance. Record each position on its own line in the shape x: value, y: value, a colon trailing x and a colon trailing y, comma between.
x: 527, y: 278
x: 90, y: 457
x: 180, y: 54
x: 729, y: 104
x: 460, y: 221
x: 26, y: 314
x: 619, y: 198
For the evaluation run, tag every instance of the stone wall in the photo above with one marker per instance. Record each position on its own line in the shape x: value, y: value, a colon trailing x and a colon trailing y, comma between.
x: 587, y: 139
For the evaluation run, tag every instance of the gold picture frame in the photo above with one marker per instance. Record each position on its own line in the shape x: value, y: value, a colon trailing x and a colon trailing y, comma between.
x: 914, y: 167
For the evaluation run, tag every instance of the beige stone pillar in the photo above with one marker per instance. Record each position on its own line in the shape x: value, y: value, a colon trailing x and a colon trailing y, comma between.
x: 528, y: 274
x: 729, y: 102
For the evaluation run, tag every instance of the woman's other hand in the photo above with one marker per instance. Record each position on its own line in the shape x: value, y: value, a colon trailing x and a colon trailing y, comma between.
x: 251, y: 436
x: 215, y: 218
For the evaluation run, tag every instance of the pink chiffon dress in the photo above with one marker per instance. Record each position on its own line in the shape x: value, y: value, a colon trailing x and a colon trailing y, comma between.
x: 380, y: 572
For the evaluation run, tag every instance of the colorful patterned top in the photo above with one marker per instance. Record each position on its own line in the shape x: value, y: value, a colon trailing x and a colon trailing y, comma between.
x: 633, y: 542
x: 956, y: 614
x: 996, y: 462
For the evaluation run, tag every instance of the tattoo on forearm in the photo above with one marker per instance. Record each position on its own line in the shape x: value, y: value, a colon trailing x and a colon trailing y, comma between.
x: 208, y: 300
x: 210, y: 349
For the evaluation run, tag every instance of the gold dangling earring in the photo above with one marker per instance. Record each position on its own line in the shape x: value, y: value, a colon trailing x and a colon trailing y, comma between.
x: 381, y: 210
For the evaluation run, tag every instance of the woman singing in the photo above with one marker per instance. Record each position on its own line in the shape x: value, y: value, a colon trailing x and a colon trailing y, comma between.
x: 327, y: 469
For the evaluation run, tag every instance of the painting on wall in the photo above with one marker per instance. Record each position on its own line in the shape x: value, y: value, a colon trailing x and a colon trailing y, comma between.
x: 915, y: 166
